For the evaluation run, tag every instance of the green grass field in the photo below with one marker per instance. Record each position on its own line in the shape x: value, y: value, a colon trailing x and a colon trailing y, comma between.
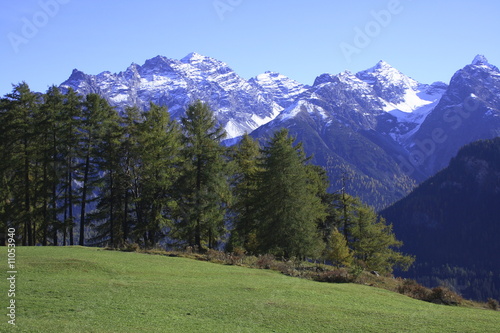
x: 75, y: 289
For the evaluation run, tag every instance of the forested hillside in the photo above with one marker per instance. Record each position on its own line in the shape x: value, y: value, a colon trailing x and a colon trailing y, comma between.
x: 451, y: 223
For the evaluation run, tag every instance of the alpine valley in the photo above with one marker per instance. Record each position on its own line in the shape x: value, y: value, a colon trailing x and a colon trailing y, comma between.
x: 378, y: 129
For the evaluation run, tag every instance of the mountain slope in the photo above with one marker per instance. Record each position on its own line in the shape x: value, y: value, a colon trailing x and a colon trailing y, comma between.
x: 451, y: 222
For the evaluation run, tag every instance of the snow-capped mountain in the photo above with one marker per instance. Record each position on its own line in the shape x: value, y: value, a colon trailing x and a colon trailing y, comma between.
x: 404, y: 98
x: 388, y: 131
x: 468, y: 111
x: 382, y: 127
x: 376, y: 91
x: 357, y: 124
x: 240, y: 105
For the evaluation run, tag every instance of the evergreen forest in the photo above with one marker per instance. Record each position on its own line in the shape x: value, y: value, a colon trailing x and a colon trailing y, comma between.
x: 75, y: 171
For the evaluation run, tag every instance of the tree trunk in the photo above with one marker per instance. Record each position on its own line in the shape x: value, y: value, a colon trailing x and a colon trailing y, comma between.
x: 27, y: 203
x: 84, y: 199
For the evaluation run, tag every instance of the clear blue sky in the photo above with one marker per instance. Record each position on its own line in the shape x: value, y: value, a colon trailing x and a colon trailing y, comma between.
x: 428, y: 40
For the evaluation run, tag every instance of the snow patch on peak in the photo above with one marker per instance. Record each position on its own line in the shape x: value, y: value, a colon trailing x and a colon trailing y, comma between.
x: 267, y: 76
x: 193, y: 57
x: 284, y: 89
x: 381, y: 66
x: 386, y: 74
x: 480, y: 60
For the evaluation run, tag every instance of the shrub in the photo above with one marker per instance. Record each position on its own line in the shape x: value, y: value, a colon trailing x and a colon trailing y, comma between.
x: 132, y: 247
x: 339, y: 275
x: 265, y: 261
x: 217, y: 256
x: 493, y: 304
x: 443, y: 295
x: 415, y: 290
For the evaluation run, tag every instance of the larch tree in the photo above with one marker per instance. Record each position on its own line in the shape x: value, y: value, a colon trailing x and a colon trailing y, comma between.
x: 159, y: 140
x: 372, y: 242
x: 289, y: 207
x: 108, y: 155
x: 49, y: 150
x: 95, y: 113
x: 245, y: 168
x: 20, y: 172
x: 203, y: 186
x: 69, y: 119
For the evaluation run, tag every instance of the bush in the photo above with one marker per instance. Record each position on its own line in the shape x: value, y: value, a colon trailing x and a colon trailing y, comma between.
x: 216, y: 256
x: 415, y: 290
x: 339, y: 275
x: 132, y: 247
x: 443, y: 295
x: 265, y: 261
x: 493, y: 304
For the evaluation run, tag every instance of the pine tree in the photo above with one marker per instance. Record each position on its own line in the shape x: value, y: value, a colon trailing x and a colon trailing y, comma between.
x: 50, y: 155
x: 130, y: 166
x: 95, y: 112
x: 245, y: 162
x: 289, y: 206
x: 69, y: 119
x: 338, y: 252
x: 108, y: 155
x: 159, y: 144
x: 204, y: 191
x: 371, y: 240
x: 20, y: 172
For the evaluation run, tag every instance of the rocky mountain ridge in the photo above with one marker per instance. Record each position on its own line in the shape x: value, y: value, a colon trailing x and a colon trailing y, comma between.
x: 385, y: 130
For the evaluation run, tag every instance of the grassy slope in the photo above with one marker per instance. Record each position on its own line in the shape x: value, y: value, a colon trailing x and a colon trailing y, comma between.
x: 90, y: 290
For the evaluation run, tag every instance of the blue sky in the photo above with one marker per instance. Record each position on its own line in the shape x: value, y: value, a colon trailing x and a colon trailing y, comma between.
x: 42, y: 41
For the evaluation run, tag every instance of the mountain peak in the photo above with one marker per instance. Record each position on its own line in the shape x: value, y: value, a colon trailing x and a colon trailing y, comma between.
x: 382, y: 64
x: 193, y: 57
x: 480, y: 60
x: 379, y: 67
x: 385, y: 73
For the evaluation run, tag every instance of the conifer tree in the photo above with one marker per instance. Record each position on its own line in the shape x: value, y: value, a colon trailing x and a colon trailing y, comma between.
x: 69, y: 119
x: 204, y: 191
x: 130, y: 166
x: 159, y: 144
x: 371, y: 240
x: 95, y: 113
x: 338, y: 252
x: 289, y: 207
x: 245, y: 168
x: 19, y: 165
x: 108, y: 156
x: 48, y: 134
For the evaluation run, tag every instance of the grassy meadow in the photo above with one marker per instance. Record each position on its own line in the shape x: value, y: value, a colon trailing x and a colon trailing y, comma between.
x: 76, y: 289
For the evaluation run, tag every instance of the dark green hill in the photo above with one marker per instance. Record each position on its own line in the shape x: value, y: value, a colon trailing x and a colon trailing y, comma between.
x: 451, y: 222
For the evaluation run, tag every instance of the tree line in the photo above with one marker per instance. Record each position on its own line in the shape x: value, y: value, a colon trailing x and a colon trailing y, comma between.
x: 75, y: 171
